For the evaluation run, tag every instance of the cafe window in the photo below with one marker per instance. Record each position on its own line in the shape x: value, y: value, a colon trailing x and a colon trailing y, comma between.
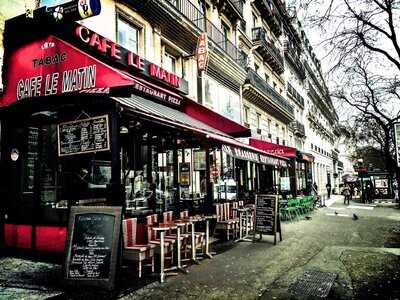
x: 258, y: 120
x: 128, y: 35
x: 225, y: 32
x: 246, y: 112
x: 169, y: 62
x: 254, y: 20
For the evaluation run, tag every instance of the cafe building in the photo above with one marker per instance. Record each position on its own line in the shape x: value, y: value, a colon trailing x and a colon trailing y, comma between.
x: 86, y: 122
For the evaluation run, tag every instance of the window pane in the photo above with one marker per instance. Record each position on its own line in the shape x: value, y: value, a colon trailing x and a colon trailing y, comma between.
x: 128, y: 36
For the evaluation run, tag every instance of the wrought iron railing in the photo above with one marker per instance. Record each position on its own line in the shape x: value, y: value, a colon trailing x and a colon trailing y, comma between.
x: 217, y: 36
x: 238, y: 4
x: 197, y: 18
x: 259, y: 35
x: 295, y: 95
x: 299, y: 127
x: 254, y: 79
x: 190, y: 11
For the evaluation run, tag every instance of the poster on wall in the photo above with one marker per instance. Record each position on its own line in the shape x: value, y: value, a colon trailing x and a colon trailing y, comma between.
x: 285, y: 184
x: 184, y: 171
x: 199, y: 160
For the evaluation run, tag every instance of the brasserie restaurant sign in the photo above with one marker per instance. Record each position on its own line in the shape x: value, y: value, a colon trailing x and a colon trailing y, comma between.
x: 253, y: 156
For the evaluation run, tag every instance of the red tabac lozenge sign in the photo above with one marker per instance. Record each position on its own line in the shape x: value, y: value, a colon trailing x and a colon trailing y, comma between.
x: 50, y: 66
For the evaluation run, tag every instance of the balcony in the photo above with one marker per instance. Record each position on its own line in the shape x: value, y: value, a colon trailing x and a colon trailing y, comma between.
x: 271, y: 15
x: 267, y: 50
x: 231, y: 8
x: 295, y: 95
x: 263, y: 95
x: 298, y: 129
x: 294, y: 59
x: 225, y: 45
x: 340, y: 164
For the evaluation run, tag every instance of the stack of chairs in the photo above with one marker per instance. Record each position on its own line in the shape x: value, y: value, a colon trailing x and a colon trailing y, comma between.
x: 297, y: 207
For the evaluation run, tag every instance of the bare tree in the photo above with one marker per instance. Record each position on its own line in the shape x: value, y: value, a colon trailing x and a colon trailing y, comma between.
x: 376, y: 101
x: 354, y: 28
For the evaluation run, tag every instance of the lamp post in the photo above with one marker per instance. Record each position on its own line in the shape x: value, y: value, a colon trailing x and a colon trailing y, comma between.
x: 360, y: 162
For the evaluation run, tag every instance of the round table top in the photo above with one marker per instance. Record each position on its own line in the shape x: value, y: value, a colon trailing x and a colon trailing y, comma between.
x: 163, y: 226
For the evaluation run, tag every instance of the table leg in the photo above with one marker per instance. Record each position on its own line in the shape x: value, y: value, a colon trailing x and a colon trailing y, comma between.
x: 207, y: 252
x: 179, y: 254
x: 162, y: 275
x: 194, y: 245
x: 240, y: 225
x: 178, y: 244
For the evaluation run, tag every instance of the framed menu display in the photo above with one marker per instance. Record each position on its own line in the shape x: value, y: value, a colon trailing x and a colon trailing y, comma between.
x: 84, y: 136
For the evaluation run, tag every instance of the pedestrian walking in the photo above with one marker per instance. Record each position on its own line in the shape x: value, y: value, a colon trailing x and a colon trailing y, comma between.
x: 346, y: 194
x: 368, y: 192
x: 328, y: 189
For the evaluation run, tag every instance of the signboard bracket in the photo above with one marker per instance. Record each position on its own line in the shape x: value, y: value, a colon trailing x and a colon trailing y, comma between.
x: 83, y: 114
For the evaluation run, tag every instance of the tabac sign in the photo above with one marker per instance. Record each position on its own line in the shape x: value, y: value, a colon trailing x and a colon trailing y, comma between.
x: 397, y: 142
x: 202, y: 52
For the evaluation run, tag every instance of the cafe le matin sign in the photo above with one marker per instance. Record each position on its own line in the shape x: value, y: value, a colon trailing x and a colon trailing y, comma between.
x: 54, y: 66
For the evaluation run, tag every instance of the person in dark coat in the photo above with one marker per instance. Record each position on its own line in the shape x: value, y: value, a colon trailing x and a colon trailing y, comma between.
x: 328, y: 189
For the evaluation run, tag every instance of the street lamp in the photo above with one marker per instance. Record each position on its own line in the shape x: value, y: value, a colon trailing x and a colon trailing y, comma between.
x: 360, y: 162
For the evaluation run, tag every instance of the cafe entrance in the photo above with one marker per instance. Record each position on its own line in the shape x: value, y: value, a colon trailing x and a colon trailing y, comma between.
x: 38, y: 184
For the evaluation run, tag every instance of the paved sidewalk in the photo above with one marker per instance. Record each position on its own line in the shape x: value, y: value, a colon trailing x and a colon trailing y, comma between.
x: 363, y: 252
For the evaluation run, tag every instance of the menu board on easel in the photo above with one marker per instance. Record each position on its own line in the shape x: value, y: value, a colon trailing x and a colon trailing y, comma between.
x: 267, y: 220
x: 92, y: 246
x: 84, y: 136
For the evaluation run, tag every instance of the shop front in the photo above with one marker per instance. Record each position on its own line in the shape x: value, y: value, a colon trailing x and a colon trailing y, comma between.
x: 86, y: 122
x: 298, y: 180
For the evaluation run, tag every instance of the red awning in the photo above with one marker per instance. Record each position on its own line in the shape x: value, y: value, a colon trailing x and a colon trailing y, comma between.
x: 273, y: 148
x: 210, y: 117
x: 51, y: 66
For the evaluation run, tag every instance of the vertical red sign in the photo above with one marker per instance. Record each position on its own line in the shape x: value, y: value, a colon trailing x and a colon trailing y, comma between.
x: 202, y: 52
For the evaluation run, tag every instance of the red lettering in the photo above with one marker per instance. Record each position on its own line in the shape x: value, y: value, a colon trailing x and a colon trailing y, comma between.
x: 135, y: 61
x: 79, y: 32
x: 115, y: 52
x: 95, y: 41
x: 154, y: 71
x: 105, y: 44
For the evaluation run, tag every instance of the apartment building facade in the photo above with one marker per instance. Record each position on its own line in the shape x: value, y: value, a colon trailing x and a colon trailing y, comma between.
x: 261, y: 71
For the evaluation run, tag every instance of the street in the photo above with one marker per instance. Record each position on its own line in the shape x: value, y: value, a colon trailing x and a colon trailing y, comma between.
x: 363, y: 253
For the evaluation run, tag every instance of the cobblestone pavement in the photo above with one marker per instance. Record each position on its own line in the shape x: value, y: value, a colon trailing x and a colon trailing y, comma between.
x: 363, y: 252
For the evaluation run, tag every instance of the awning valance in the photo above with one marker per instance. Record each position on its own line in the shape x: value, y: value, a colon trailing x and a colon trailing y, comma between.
x: 171, y: 116
x: 272, y: 148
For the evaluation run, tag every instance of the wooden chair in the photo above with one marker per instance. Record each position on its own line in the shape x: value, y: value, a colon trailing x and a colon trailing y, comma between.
x: 154, y: 240
x: 135, y: 247
x: 199, y: 236
x: 168, y: 218
x: 224, y: 223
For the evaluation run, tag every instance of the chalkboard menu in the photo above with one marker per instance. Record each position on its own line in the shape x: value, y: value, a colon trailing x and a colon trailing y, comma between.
x: 83, y: 136
x: 93, y: 237
x: 267, y: 219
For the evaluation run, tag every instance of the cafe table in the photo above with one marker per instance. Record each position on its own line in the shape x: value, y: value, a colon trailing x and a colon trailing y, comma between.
x: 207, y: 218
x: 162, y: 229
